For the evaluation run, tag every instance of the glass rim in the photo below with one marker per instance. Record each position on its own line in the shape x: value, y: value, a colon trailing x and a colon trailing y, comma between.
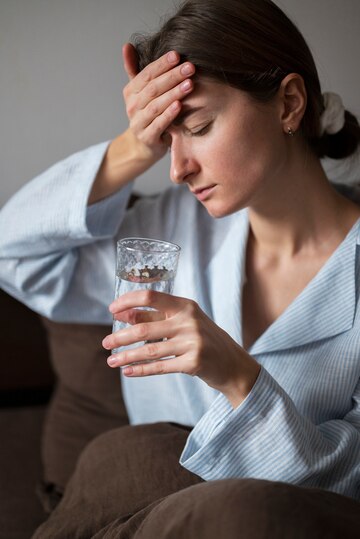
x: 176, y: 249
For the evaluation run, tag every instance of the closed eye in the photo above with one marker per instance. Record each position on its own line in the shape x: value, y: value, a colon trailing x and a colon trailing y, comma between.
x: 167, y: 139
x: 201, y: 131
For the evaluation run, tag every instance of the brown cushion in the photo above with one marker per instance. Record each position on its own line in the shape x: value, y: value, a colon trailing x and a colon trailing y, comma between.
x: 86, y: 402
x: 24, y: 366
x: 20, y: 511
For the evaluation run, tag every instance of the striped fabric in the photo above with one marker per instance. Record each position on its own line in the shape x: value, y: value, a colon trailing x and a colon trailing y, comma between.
x: 301, y: 421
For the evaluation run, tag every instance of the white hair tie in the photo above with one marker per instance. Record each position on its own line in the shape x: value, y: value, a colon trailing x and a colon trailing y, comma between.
x: 332, y: 119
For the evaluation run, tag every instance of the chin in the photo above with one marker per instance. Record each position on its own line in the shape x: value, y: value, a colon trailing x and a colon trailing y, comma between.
x: 217, y: 211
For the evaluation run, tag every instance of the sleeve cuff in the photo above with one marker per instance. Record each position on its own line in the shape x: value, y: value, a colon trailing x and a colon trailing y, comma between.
x: 103, y: 218
x: 221, y: 423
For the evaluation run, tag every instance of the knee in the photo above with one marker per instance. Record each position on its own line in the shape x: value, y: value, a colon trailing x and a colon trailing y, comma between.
x: 117, y: 442
x: 134, y: 450
x: 224, y: 508
x: 247, y: 508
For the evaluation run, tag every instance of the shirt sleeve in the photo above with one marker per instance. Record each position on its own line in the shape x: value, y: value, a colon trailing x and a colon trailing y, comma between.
x: 57, y: 254
x: 266, y: 438
x: 51, y: 210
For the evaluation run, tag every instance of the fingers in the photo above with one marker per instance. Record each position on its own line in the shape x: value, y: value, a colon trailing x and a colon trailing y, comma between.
x: 165, y: 366
x: 160, y: 66
x: 165, y: 303
x: 175, y: 84
x: 175, y: 319
x: 157, y: 90
x: 152, y: 351
x: 130, y: 60
x: 137, y: 316
x: 156, y: 129
x: 146, y: 331
x: 154, y: 108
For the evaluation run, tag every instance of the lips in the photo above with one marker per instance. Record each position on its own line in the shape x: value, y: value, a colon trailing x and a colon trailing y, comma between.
x: 203, y: 192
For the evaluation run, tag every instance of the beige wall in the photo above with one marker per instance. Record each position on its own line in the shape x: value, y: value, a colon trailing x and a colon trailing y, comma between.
x: 61, y: 73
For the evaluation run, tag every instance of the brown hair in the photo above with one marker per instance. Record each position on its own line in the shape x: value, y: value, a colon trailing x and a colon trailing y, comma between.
x: 251, y: 45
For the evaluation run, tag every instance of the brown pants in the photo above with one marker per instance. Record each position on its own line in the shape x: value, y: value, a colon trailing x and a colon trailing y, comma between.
x: 128, y: 484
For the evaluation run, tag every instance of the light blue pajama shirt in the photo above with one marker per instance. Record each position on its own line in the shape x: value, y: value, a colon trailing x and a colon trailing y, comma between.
x: 301, y: 421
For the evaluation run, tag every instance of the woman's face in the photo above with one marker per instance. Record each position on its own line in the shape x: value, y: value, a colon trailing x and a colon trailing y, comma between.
x: 226, y: 147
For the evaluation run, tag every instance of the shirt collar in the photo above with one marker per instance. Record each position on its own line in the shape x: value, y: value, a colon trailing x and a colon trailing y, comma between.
x: 325, y: 308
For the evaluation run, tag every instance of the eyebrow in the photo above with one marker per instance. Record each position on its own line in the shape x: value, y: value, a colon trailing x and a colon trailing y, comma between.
x: 184, y: 114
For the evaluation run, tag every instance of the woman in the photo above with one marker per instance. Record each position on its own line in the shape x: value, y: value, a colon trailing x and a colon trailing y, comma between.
x: 264, y: 317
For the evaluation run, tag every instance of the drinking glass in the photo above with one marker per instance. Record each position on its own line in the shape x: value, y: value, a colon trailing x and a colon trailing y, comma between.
x: 144, y: 264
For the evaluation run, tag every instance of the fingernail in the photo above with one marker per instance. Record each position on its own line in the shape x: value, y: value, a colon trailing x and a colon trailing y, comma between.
x: 185, y: 85
x: 128, y: 371
x: 172, y: 57
x: 174, y: 106
x: 111, y: 361
x: 187, y: 69
x: 112, y: 308
x: 105, y: 343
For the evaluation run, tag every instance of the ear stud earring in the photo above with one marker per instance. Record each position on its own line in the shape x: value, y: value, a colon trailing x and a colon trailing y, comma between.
x: 291, y: 133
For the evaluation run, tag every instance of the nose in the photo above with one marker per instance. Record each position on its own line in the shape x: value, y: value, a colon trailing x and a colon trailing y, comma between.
x: 183, y: 163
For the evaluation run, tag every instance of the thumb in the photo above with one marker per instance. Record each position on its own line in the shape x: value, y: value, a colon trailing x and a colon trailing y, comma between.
x: 130, y: 60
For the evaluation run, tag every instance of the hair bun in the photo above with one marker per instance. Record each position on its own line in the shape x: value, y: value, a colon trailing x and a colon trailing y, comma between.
x: 344, y: 142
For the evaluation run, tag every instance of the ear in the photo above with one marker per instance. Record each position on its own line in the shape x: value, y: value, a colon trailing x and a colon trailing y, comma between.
x: 293, y: 99
x: 130, y: 60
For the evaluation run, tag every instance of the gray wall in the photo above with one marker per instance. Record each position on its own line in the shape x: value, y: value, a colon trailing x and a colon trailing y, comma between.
x: 62, y: 77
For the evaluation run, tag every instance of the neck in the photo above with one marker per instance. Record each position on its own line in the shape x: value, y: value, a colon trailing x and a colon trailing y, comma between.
x: 300, y: 209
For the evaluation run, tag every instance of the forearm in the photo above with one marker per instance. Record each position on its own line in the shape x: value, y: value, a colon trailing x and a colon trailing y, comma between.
x: 125, y: 159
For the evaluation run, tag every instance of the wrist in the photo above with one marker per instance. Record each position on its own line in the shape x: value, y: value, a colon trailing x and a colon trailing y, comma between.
x: 127, y: 149
x: 125, y: 159
x: 240, y: 385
